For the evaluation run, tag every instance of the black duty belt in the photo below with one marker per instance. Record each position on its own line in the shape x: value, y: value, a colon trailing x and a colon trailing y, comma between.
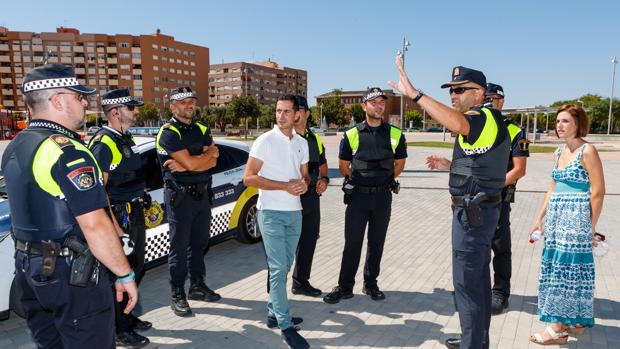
x: 369, y: 190
x: 35, y: 248
x: 461, y: 201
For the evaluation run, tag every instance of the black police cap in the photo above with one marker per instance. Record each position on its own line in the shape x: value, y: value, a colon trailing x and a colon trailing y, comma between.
x: 51, y: 76
x: 462, y: 75
x: 182, y: 93
x: 494, y: 89
x: 119, y: 96
x: 302, y: 102
x: 372, y: 93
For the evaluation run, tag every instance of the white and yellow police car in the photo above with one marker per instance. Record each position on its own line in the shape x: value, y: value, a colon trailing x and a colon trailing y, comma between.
x: 233, y: 212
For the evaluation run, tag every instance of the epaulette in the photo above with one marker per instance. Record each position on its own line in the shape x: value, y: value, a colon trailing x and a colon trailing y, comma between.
x: 472, y: 112
x: 61, y: 141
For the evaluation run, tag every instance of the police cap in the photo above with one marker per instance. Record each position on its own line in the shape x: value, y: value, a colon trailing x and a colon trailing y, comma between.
x: 372, y: 93
x: 182, y: 93
x: 119, y: 96
x: 462, y: 75
x: 51, y: 76
x: 494, y: 89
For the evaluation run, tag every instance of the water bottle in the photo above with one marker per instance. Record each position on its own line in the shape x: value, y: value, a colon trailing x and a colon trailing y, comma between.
x: 601, y: 247
x: 535, y: 236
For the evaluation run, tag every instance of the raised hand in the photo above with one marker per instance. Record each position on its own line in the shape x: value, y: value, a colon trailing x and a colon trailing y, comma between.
x: 404, y: 85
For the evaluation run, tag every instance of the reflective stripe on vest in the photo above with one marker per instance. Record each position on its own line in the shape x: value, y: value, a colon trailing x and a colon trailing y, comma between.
x: 117, y: 157
x: 160, y: 149
x: 354, y: 138
x: 46, y: 157
x: 513, y: 130
x: 319, y: 143
x: 486, y: 139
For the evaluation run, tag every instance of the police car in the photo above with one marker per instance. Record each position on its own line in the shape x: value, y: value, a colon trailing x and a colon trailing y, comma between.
x: 233, y: 212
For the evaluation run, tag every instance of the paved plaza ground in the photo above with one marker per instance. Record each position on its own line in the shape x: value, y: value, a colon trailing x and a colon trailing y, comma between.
x: 415, y: 275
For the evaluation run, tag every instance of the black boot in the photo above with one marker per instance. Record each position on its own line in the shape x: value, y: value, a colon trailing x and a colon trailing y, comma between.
x: 179, y: 303
x: 199, y: 291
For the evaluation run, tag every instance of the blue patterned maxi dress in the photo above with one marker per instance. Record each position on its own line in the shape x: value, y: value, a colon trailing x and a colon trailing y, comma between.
x: 566, y: 283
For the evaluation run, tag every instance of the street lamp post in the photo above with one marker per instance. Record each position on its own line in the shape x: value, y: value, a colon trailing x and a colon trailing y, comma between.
x: 405, y: 48
x: 611, y: 98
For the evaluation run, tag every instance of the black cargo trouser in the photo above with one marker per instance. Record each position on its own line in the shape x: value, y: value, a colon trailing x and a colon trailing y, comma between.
x: 310, y: 227
x: 60, y: 315
x: 364, y: 209
x: 502, y: 254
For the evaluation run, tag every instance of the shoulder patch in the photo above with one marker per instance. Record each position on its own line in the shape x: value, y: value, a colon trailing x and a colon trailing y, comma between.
x: 61, y: 141
x: 83, y: 178
x: 524, y: 145
x: 472, y: 112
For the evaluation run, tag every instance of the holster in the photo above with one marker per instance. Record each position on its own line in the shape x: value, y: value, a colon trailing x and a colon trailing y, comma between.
x: 509, y: 193
x: 347, y: 188
x: 82, y: 263
x: 177, y: 193
x: 395, y: 187
x: 473, y: 210
x: 50, y: 253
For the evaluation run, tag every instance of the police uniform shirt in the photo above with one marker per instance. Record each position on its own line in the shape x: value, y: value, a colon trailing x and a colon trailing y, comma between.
x: 519, y: 145
x: 130, y: 160
x: 346, y: 153
x: 192, y: 139
x: 316, y: 156
x: 477, y: 120
x: 76, y: 172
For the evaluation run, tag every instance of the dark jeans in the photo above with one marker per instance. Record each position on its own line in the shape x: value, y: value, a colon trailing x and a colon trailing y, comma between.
x: 60, y: 315
x: 310, y: 227
x: 190, y: 228
x: 502, y: 254
x: 372, y: 210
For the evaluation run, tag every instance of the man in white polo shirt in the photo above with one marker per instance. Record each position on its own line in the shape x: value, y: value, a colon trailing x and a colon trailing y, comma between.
x: 278, y: 167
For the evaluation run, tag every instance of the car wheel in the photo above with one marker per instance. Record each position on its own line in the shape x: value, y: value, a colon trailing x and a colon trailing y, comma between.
x: 14, y: 302
x: 247, y: 231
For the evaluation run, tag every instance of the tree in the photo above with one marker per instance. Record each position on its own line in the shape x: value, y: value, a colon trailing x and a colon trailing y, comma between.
x: 315, y: 115
x: 267, y: 115
x: 357, y: 113
x: 217, y: 117
x: 598, y: 111
x: 413, y: 117
x: 242, y: 108
x: 148, y: 115
x: 333, y: 109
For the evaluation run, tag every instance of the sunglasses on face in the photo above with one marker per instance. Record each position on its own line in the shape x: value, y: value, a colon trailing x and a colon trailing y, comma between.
x: 461, y: 90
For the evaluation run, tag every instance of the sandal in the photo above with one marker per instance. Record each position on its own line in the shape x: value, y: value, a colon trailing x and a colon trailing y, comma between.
x: 578, y: 329
x: 556, y: 338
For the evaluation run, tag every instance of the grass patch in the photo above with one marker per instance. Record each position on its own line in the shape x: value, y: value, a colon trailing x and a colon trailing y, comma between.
x: 533, y: 148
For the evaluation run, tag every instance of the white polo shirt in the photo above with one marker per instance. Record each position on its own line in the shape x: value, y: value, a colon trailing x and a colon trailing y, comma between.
x: 282, y: 158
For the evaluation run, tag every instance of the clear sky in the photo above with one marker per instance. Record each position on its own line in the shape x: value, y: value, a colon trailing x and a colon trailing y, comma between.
x: 540, y: 51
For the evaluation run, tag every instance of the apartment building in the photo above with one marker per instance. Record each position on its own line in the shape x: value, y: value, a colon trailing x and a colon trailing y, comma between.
x: 149, y: 65
x: 266, y: 81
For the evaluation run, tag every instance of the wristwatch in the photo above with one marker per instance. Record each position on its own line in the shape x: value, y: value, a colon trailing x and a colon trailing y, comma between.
x: 417, y: 98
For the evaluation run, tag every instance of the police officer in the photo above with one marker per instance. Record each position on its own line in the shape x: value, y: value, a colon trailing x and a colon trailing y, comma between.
x: 186, y: 151
x: 311, y: 221
x: 372, y: 155
x: 57, y: 202
x: 501, y: 244
x: 477, y: 177
x: 114, y: 149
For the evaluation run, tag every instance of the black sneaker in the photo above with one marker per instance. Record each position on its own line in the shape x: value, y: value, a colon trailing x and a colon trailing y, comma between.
x: 453, y: 343
x: 498, y: 303
x: 337, y: 294
x: 307, y: 290
x: 179, y: 304
x: 294, y: 339
x: 198, y: 291
x: 374, y: 293
x: 131, y: 340
x: 272, y: 322
x: 140, y: 325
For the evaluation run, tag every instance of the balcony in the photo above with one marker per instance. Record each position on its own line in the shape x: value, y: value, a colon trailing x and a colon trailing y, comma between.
x: 52, y: 60
x: 102, y: 83
x: 137, y: 82
x: 8, y: 103
x: 65, y: 60
x: 113, y: 71
x: 27, y: 59
x: 91, y: 71
x: 78, y: 48
x: 6, y: 81
x: 135, y: 50
x: 5, y: 59
x: 19, y: 81
x: 78, y: 59
x: 112, y: 82
x: 100, y: 49
x: 112, y: 61
x: 80, y: 71
x: 37, y: 48
x: 6, y: 92
x: 136, y: 61
x: 4, y: 47
x: 65, y: 48
x: 137, y: 72
x: 5, y: 69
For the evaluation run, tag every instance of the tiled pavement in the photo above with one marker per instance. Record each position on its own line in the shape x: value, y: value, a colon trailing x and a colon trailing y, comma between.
x: 416, y: 276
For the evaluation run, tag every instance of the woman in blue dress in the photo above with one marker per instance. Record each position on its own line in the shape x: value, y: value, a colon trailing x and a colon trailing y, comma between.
x: 568, y: 220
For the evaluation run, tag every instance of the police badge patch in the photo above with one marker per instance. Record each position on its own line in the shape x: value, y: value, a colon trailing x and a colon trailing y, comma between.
x: 524, y: 145
x: 126, y: 151
x: 83, y: 178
